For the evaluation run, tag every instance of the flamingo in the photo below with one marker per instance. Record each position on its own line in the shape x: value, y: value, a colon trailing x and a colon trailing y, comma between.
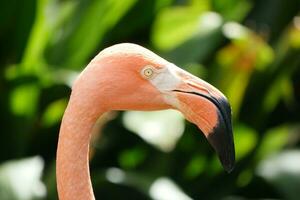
x: 130, y: 77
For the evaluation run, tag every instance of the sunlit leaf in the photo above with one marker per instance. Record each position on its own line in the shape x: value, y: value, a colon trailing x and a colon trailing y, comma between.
x: 195, y: 167
x: 20, y: 179
x: 233, y: 30
x: 280, y: 89
x: 38, y: 37
x: 236, y: 89
x: 175, y: 25
x: 294, y: 33
x: 283, y: 172
x: 244, y: 178
x: 197, y: 70
x: 131, y: 158
x: 232, y: 9
x: 246, y: 54
x: 54, y: 112
x: 214, y: 166
x: 205, y: 40
x: 245, y: 140
x: 164, y: 189
x: 23, y: 99
x: 49, y: 16
x: 159, y: 128
x: 273, y: 141
x: 97, y: 19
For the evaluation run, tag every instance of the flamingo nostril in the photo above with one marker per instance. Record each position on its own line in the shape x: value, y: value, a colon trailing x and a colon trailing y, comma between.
x: 197, y: 86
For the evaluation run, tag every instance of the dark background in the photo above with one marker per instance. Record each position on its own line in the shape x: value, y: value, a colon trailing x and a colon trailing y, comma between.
x: 250, y: 50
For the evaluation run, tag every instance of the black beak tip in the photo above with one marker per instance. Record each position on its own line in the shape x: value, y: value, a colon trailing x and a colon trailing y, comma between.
x: 223, y: 144
x: 226, y: 154
x: 228, y: 166
x: 221, y: 138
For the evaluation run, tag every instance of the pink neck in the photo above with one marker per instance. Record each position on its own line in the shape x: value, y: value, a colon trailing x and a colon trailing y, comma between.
x: 72, y: 165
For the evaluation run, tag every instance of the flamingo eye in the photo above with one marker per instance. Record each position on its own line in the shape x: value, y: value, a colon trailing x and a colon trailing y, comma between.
x: 148, y: 72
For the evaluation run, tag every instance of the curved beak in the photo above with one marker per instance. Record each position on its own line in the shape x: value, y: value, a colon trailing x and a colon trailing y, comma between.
x: 205, y: 106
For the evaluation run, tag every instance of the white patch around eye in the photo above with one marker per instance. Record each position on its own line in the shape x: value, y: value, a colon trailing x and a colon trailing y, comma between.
x: 166, y: 79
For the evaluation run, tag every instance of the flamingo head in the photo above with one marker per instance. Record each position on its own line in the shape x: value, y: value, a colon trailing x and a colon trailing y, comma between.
x: 134, y: 78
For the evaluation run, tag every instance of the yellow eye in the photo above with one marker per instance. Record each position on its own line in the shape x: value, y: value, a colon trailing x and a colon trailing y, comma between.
x: 148, y: 72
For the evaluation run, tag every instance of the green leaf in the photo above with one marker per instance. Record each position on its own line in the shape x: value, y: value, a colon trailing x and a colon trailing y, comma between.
x: 202, y: 43
x: 23, y: 100
x: 173, y: 26
x: 38, y: 37
x: 245, y: 140
x: 50, y: 15
x: 54, y: 112
x: 273, y: 141
x: 195, y: 167
x: 131, y: 158
x: 232, y: 9
x: 98, y: 18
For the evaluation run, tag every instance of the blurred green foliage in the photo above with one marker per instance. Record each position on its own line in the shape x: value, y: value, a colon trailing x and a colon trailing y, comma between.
x: 250, y: 49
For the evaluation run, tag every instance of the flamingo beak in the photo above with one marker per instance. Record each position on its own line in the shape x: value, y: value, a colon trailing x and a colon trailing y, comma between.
x: 205, y: 106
